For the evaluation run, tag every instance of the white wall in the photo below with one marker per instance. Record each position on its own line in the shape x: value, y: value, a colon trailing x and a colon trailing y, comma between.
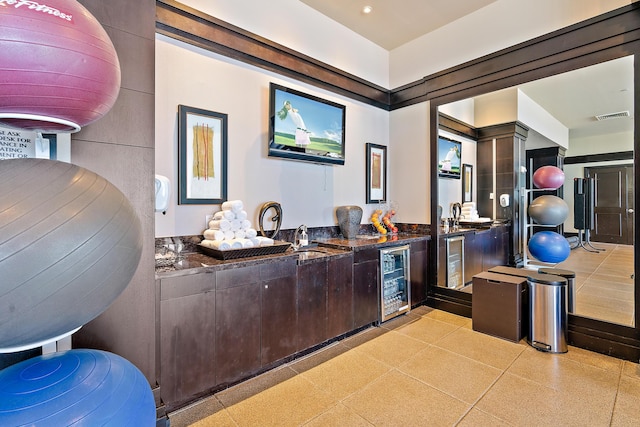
x: 307, y: 192
x: 297, y: 26
x: 535, y: 117
x: 409, y: 163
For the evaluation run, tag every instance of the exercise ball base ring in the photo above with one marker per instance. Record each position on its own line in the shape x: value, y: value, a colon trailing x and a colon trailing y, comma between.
x: 46, y: 120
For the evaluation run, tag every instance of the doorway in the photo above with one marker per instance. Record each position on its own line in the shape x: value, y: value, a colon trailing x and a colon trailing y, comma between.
x: 613, y: 203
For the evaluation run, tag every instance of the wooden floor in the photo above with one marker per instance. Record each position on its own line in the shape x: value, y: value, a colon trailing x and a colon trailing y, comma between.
x: 604, y: 282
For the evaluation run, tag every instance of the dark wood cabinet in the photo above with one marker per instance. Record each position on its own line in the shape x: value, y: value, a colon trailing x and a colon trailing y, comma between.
x: 365, y: 287
x: 418, y: 271
x: 312, y: 304
x: 475, y: 243
x: 220, y: 327
x: 442, y: 262
x: 187, y: 336
x: 279, y: 315
x: 237, y: 325
x: 339, y: 296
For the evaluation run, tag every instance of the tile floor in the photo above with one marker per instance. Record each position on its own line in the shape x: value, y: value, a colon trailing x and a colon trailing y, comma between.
x: 604, y: 282
x: 429, y: 368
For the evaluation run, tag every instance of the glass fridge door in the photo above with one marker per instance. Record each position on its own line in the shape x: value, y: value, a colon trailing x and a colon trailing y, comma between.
x: 395, y: 287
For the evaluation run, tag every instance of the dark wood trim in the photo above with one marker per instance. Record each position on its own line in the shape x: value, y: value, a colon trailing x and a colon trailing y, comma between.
x: 180, y: 22
x: 606, y: 157
x: 456, y: 127
x: 510, y: 130
x: 605, y: 37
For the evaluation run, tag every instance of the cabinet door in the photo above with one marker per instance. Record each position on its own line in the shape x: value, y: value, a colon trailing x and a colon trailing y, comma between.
x: 419, y: 261
x: 279, y: 317
x: 442, y: 262
x: 312, y: 304
x: 237, y: 324
x: 474, y: 254
x: 187, y: 337
x: 365, y: 292
x: 502, y: 245
x: 339, y: 296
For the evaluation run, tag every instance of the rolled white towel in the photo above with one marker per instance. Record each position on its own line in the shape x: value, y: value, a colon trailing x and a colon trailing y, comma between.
x: 262, y: 241
x: 220, y: 224
x: 236, y: 225
x: 235, y: 243
x: 210, y: 234
x: 221, y: 245
x: 250, y: 233
x: 239, y: 234
x: 229, y: 235
x: 242, y: 215
x: 245, y: 224
x: 228, y: 215
x: 247, y: 243
x: 233, y: 205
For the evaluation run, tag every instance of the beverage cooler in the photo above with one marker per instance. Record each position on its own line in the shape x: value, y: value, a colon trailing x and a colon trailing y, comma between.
x: 395, y: 286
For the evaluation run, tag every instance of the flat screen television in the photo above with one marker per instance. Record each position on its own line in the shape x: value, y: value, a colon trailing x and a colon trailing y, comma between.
x: 305, y: 127
x: 449, y: 158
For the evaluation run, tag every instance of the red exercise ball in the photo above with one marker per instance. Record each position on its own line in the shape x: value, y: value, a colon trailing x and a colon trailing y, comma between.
x: 550, y: 177
x: 59, y: 70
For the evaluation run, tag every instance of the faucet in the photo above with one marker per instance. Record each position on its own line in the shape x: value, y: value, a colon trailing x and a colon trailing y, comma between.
x: 300, y: 237
x: 456, y: 211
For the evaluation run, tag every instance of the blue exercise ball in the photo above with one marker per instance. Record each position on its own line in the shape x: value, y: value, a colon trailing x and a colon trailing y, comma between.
x: 549, y: 246
x: 78, y: 387
x: 548, y: 210
x: 70, y: 244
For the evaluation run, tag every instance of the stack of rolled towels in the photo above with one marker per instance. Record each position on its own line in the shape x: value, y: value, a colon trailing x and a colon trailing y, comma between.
x: 230, y: 229
x: 469, y: 211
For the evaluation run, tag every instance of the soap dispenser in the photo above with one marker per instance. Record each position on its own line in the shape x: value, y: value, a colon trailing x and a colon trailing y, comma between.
x: 304, y: 238
x: 300, y: 237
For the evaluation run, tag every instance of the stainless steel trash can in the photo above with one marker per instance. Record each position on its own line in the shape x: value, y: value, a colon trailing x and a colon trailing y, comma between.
x: 548, y: 312
x: 571, y: 285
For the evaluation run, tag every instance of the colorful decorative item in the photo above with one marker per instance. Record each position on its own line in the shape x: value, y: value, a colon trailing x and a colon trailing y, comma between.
x: 71, y: 243
x: 549, y: 246
x: 58, y: 67
x: 548, y: 210
x: 550, y: 177
x: 75, y: 387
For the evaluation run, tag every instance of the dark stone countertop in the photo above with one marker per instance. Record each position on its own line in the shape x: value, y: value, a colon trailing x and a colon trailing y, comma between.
x: 366, y: 241
x: 195, y: 262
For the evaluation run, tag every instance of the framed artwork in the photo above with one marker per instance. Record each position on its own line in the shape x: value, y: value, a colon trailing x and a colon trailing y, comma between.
x: 202, y: 156
x: 376, y: 173
x: 467, y: 183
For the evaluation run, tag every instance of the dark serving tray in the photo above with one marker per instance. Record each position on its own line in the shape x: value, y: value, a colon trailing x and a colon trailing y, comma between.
x: 277, y: 248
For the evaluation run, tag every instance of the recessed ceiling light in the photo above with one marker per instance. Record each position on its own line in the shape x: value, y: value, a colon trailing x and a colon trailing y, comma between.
x: 367, y: 9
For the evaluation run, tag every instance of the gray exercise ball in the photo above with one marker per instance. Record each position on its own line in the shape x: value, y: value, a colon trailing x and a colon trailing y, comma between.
x: 70, y: 242
x: 548, y: 210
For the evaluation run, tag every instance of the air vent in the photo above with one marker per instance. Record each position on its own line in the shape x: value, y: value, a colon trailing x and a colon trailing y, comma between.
x: 613, y: 115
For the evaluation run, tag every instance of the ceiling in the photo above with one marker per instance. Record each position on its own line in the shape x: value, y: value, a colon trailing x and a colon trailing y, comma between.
x: 573, y: 98
x: 394, y: 23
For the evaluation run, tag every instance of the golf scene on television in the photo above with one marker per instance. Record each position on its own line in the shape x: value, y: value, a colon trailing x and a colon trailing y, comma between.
x: 307, y: 123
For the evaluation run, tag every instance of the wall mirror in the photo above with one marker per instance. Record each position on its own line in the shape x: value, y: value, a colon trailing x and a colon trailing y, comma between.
x: 593, y: 59
x: 587, y: 115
